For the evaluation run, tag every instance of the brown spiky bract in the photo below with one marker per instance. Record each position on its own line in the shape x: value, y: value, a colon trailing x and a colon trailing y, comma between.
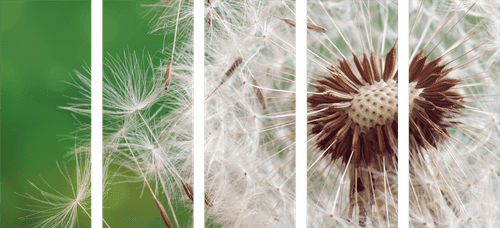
x: 435, y: 106
x: 346, y: 130
x: 340, y: 135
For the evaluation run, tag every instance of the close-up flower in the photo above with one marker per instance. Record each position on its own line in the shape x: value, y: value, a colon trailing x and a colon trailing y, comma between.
x: 352, y: 135
x: 250, y: 113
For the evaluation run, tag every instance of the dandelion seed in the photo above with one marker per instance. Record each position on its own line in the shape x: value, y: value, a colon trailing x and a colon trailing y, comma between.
x: 234, y: 66
x: 56, y: 209
x: 310, y: 25
x: 188, y: 189
x: 162, y: 210
x: 208, y: 202
x: 164, y: 214
x: 289, y: 21
x: 168, y: 74
x: 260, y: 94
x: 210, y: 20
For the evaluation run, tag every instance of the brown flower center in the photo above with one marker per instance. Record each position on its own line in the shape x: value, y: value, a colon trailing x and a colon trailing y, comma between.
x: 354, y: 113
x: 374, y: 104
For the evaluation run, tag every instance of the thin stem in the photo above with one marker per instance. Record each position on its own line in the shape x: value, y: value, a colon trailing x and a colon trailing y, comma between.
x: 86, y: 212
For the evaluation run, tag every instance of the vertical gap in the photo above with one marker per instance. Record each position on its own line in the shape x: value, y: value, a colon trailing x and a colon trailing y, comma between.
x: 403, y: 115
x: 198, y: 111
x: 96, y: 114
x: 301, y: 113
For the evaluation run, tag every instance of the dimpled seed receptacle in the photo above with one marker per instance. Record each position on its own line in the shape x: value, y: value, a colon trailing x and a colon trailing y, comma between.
x: 374, y: 104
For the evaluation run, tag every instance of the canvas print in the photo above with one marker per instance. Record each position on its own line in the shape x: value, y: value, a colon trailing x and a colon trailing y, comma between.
x: 250, y: 111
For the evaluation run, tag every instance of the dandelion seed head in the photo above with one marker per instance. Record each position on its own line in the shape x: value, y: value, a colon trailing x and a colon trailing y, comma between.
x: 249, y: 149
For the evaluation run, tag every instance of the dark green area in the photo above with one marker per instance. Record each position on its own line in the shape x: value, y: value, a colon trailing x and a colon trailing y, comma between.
x: 41, y: 44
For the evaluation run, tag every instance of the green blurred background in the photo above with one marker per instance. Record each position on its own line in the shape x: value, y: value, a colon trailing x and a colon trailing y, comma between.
x: 42, y: 42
